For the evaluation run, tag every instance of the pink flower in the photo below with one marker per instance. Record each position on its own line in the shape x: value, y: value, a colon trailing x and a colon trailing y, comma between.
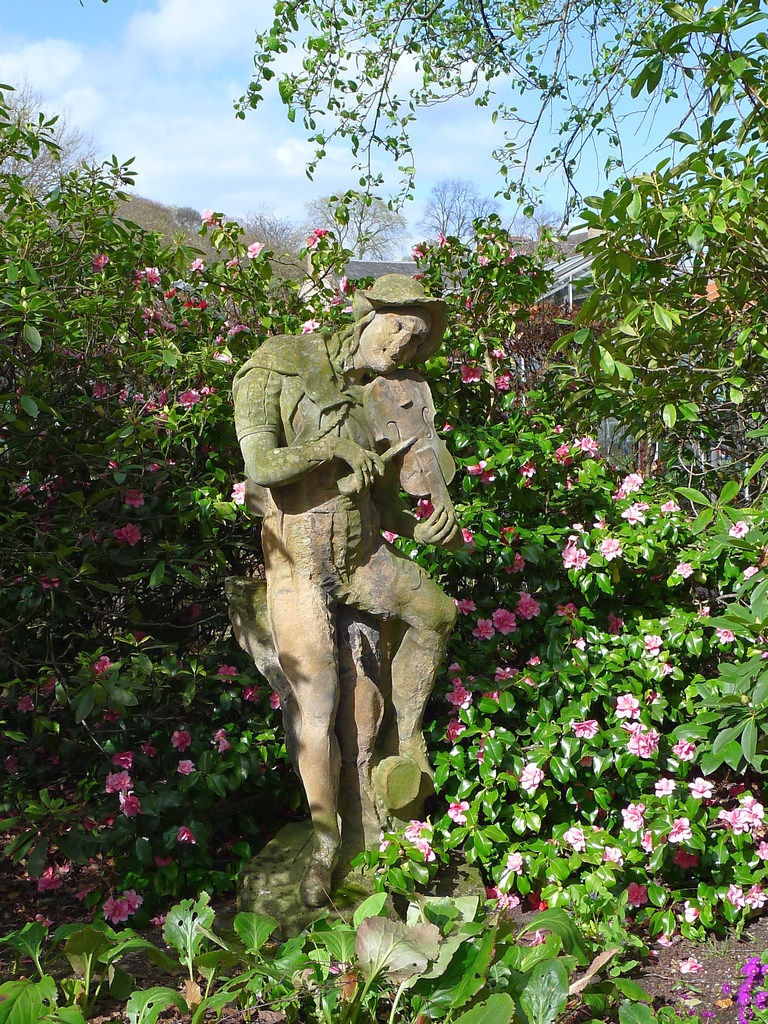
x: 124, y: 760
x: 99, y: 262
x: 690, y: 912
x: 129, y: 534
x: 48, y: 881
x: 441, y: 240
x: 642, y: 742
x: 455, y: 729
x: 484, y: 629
x: 684, y: 751
x: 575, y: 837
x: 530, y: 777
x: 613, y: 855
x: 209, y: 217
x: 309, y: 326
x: 701, y: 789
x: 238, y: 493
x: 527, y: 608
x: 685, y: 860
x: 528, y: 469
x: 424, y: 509
x: 563, y: 455
x: 690, y: 966
x: 762, y: 850
x: 503, y: 381
x: 684, y: 569
x: 515, y: 863
x: 585, y: 730
x: 574, y: 557
x: 134, y: 497
x: 469, y: 538
x: 180, y: 739
x: 750, y: 571
x: 627, y: 706
x: 483, y: 260
x: 130, y: 805
x: 186, y: 767
x: 152, y: 275
x: 459, y: 696
x: 632, y: 482
x: 456, y: 812
x: 116, y: 911
x: 505, y: 672
x: 133, y: 900
x: 647, y: 841
x: 274, y: 702
x: 725, y: 636
x: 471, y: 374
x: 611, y: 548
x: 197, y: 265
x: 415, y: 829
x: 568, y: 611
x: 635, y: 513
x: 189, y: 398
x: 633, y: 817
x: 220, y: 738
x: 118, y: 782
x: 465, y: 606
x: 25, y: 704
x: 227, y: 672
x: 251, y: 693
x: 417, y: 252
x: 615, y: 624
x: 254, y: 249
x: 736, y: 820
x: 735, y: 896
x: 740, y: 529
x: 653, y: 644
x: 670, y: 506
x: 637, y: 895
x: 756, y: 898
x: 504, y: 621
x: 222, y: 357
x: 148, y: 749
x: 185, y: 836
x: 588, y: 445
x: 680, y: 831
x: 665, y: 787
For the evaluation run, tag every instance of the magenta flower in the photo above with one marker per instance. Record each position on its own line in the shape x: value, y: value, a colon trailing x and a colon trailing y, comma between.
x: 189, y: 398
x: 504, y: 621
x: 725, y: 636
x: 465, y: 606
x: 680, y: 831
x: 25, y: 704
x: 471, y: 374
x: 528, y: 469
x: 220, y: 738
x: 637, y: 895
x: 118, y: 782
x: 228, y: 671
x: 653, y: 644
x: 456, y: 728
x: 134, y: 497
x: 738, y: 530
x: 180, y: 739
x: 527, y: 608
x: 99, y: 262
x: 690, y: 966
x: 129, y: 534
x: 186, y: 767
x: 469, y: 538
x: 124, y: 760
x: 484, y: 629
x: 116, y: 911
x: 274, y: 702
x: 251, y: 693
x: 185, y: 836
x: 152, y: 275
x: 615, y: 624
x: 130, y: 805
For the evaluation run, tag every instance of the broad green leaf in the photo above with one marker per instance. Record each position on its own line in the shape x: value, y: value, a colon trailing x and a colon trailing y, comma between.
x: 254, y: 929
x: 32, y: 337
x: 557, y: 921
x: 390, y: 947
x: 22, y: 1001
x: 496, y: 1009
x: 669, y: 415
x: 370, y: 907
x: 545, y: 995
x: 729, y: 491
x: 636, y: 1013
x: 156, y: 577
x: 145, y: 1007
x: 182, y: 928
x: 30, y: 406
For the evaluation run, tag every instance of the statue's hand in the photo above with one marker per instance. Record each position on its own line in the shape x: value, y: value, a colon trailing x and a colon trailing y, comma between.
x: 365, y: 466
x: 440, y: 528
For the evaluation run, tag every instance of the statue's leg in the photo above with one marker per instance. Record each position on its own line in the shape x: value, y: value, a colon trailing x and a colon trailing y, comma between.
x: 302, y: 620
x: 394, y: 587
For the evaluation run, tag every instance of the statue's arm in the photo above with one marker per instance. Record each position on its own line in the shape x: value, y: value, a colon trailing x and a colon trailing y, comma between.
x: 268, y: 460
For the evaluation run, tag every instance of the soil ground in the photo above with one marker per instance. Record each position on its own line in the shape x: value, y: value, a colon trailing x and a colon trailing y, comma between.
x: 712, y: 990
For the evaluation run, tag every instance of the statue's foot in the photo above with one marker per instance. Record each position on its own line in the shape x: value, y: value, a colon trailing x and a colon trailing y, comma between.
x: 315, y: 886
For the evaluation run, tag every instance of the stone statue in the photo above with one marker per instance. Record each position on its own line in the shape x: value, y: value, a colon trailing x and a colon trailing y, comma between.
x: 349, y: 631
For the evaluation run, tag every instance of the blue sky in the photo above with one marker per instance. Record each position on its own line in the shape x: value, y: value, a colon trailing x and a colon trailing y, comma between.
x: 156, y: 80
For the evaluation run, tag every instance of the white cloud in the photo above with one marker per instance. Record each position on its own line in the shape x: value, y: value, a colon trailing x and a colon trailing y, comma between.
x: 196, y: 32
x: 48, y: 64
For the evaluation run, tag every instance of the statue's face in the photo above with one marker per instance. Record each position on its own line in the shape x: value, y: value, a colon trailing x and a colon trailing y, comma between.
x: 391, y: 339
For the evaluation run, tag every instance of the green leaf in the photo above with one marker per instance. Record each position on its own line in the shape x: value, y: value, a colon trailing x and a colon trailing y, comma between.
x: 156, y: 578
x: 497, y: 1009
x: 729, y: 491
x: 37, y: 859
x: 718, y: 223
x: 557, y: 921
x: 21, y: 1002
x: 636, y: 1013
x: 30, y: 406
x: 183, y: 926
x: 756, y: 467
x: 749, y: 741
x: 389, y: 947
x: 370, y: 907
x: 693, y: 495
x: 662, y: 317
x: 145, y: 1007
x: 545, y: 995
x: 32, y: 337
x: 632, y: 990
x: 84, y: 703
x: 669, y: 415
x: 254, y: 929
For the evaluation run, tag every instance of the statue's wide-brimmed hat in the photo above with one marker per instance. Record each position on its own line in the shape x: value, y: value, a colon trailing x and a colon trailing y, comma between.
x: 395, y: 291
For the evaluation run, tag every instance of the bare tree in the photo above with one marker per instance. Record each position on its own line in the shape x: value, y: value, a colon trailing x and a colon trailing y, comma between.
x: 279, y: 234
x: 365, y: 224
x: 452, y: 206
x: 72, y: 147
